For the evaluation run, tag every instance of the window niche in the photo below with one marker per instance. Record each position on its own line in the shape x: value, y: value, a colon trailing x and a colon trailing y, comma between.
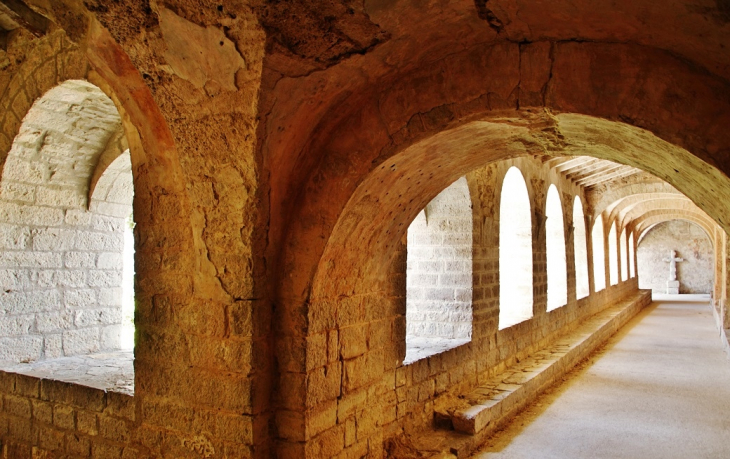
x: 580, y: 248
x: 599, y: 255
x: 557, y: 271
x: 439, y: 274
x: 515, y: 251
x: 613, y: 255
x: 66, y: 250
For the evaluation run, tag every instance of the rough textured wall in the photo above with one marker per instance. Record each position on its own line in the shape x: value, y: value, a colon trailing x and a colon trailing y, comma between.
x: 439, y: 281
x: 61, y: 264
x: 695, y: 273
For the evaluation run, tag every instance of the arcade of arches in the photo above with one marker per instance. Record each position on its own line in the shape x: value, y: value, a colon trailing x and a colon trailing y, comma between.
x: 306, y: 229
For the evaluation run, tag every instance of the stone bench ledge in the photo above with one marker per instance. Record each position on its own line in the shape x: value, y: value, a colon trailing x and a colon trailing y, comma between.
x: 486, y: 408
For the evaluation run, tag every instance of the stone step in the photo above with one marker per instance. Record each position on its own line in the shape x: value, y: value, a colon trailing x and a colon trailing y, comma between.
x: 477, y: 414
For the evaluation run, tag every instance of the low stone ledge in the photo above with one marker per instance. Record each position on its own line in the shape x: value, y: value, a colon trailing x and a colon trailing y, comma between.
x: 476, y: 415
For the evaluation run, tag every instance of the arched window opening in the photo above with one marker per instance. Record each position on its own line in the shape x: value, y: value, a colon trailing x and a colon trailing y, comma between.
x: 580, y: 248
x: 599, y: 256
x: 515, y: 251
x: 557, y: 271
x: 66, y: 260
x: 624, y: 257
x: 632, y: 257
x: 112, y: 201
x: 612, y: 255
x: 439, y: 274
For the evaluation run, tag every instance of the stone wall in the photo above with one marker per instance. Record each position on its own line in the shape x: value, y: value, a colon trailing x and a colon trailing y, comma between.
x: 61, y: 262
x: 439, y: 280
x: 422, y: 385
x: 695, y: 273
x: 65, y: 420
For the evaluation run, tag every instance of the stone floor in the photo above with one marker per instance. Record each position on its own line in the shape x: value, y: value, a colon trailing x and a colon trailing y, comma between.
x: 109, y: 371
x: 418, y: 348
x: 658, y: 389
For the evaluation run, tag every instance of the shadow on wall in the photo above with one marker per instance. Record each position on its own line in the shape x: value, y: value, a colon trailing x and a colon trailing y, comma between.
x: 692, y: 245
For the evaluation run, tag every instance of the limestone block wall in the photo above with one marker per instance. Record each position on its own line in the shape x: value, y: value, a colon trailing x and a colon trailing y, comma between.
x: 61, y: 258
x: 65, y: 420
x: 360, y: 391
x: 439, y: 269
x: 695, y: 273
x: 420, y: 387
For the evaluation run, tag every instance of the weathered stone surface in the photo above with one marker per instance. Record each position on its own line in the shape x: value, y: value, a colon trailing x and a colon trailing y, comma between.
x: 276, y: 173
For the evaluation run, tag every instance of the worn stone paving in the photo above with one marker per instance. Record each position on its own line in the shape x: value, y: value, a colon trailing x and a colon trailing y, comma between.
x: 109, y: 371
x: 657, y: 390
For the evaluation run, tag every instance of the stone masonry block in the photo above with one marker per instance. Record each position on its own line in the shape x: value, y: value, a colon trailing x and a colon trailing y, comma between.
x: 78, y: 445
x: 64, y: 417
x: 17, y: 406
x: 110, y: 296
x: 94, y: 317
x: 110, y: 337
x: 53, y: 346
x: 19, y: 192
x: 30, y: 302
x: 20, y: 349
x: 79, y: 259
x: 95, y: 241
x: 83, y: 341
x: 109, y: 260
x: 72, y: 198
x: 17, y: 325
x: 55, y: 321
x: 353, y: 341
x: 42, y: 411
x: 77, y: 217
x: 70, y: 278
x: 80, y: 298
x: 30, y: 215
x: 324, y: 383
x: 52, y: 239
x: 114, y: 429
x: 14, y: 237
x: 109, y: 224
x: 31, y: 260
x: 105, y: 279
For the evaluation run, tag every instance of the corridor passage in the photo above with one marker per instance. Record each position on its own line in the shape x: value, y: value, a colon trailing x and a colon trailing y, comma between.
x: 660, y: 388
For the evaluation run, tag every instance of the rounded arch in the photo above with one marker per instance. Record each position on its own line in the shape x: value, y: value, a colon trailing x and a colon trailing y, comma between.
x: 639, y: 185
x: 620, y: 208
x: 654, y: 217
x: 632, y: 255
x: 439, y: 273
x: 599, y: 255
x: 634, y: 210
x: 356, y: 194
x: 74, y: 255
x: 164, y: 243
x: 580, y: 250
x: 623, y: 255
x: 557, y: 271
x: 613, y: 255
x: 515, y: 250
x: 469, y: 146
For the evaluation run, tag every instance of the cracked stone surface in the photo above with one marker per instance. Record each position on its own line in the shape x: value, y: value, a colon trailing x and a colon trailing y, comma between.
x: 108, y: 371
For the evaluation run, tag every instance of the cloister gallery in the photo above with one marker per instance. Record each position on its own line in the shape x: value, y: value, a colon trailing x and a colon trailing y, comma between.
x: 313, y: 229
